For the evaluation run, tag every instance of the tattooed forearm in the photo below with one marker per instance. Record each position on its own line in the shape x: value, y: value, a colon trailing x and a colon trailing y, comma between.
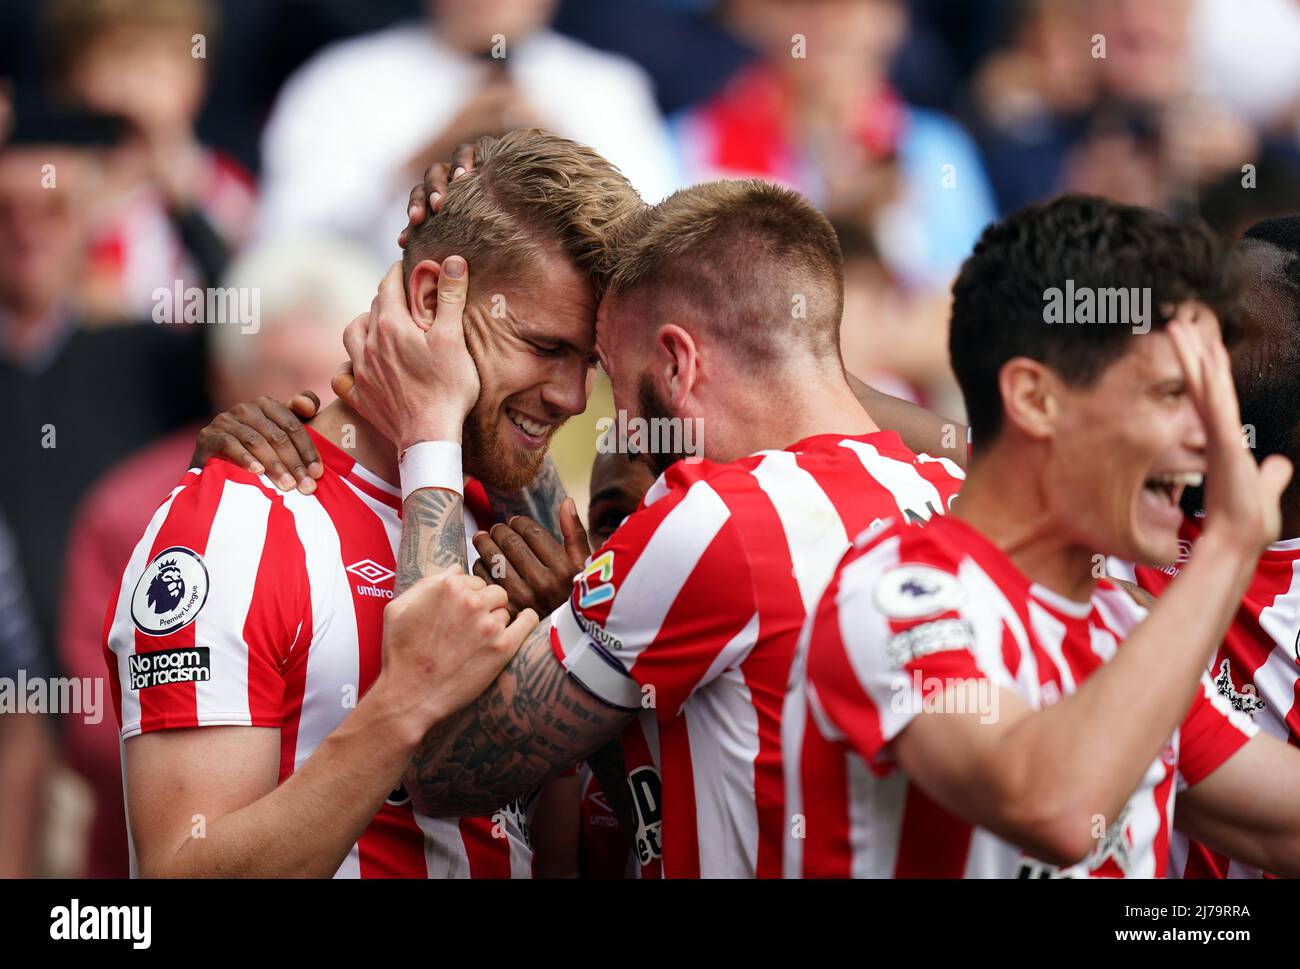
x: 433, y: 536
x: 540, y: 501
x: 532, y: 722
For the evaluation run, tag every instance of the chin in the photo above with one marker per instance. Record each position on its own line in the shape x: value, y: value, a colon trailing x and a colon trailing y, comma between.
x: 1154, y: 548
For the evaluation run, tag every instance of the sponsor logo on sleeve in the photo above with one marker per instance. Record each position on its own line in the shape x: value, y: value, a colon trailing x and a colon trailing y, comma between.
x: 188, y: 664
x: 596, y: 583
x: 934, y: 637
x: 171, y: 592
x: 917, y: 591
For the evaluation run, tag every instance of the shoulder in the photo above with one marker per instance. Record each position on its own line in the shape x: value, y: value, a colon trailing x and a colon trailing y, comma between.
x: 902, y: 572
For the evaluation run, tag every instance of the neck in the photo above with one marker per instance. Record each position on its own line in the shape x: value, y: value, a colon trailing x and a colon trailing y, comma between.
x: 1291, y: 510
x: 355, y: 436
x: 1012, y: 512
x: 793, y: 408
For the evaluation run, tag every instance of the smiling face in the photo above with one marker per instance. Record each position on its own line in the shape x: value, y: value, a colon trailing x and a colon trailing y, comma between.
x: 534, y: 345
x: 1123, y: 450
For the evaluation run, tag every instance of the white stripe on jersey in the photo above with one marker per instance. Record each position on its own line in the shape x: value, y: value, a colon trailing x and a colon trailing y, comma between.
x: 809, y: 519
x: 657, y: 576
x: 911, y: 491
x: 1276, y: 679
x: 444, y: 849
x: 243, y: 510
x: 875, y: 807
x: 722, y: 725
x: 333, y: 660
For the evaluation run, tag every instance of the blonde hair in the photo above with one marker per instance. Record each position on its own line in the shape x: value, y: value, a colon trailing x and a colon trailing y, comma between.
x: 752, y: 260
x: 529, y: 190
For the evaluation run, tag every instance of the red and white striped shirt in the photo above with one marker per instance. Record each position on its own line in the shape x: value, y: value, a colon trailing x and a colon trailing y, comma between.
x: 244, y: 606
x: 909, y: 613
x: 689, y: 615
x: 1256, y: 669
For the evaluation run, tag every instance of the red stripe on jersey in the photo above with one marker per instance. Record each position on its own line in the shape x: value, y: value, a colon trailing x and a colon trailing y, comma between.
x: 110, y: 658
x: 280, y: 599
x: 824, y: 780
x: 489, y: 857
x: 681, y: 840
x: 766, y: 671
x: 1162, y: 793
x: 932, y: 842
x: 1205, y: 863
x: 188, y: 524
x: 392, y: 845
x: 476, y: 500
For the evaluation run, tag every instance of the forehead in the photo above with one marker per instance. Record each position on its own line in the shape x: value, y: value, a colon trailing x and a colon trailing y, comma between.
x: 556, y: 303
x: 1151, y: 357
x: 612, y: 469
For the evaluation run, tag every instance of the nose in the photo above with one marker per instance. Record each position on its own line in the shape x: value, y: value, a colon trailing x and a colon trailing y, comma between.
x: 568, y: 389
x: 1194, y: 435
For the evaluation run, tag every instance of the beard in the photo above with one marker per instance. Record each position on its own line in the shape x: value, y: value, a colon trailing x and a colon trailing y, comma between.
x: 654, y: 407
x: 495, y: 461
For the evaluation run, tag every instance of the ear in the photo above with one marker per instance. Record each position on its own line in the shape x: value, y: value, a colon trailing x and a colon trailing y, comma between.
x: 1030, y: 396
x: 677, y: 363
x: 422, y: 292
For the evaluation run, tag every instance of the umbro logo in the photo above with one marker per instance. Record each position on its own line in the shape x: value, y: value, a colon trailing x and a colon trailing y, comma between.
x: 371, y: 571
x: 374, y: 574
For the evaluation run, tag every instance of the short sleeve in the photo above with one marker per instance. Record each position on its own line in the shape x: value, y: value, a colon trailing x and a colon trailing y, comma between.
x: 663, y: 607
x: 885, y: 637
x: 1211, y: 733
x: 212, y: 600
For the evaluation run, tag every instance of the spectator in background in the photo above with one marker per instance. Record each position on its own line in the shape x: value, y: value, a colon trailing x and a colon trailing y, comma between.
x: 355, y: 127
x: 309, y: 290
x: 25, y: 748
x: 891, y: 338
x: 820, y: 116
x: 1106, y: 97
x: 73, y: 400
x: 177, y: 208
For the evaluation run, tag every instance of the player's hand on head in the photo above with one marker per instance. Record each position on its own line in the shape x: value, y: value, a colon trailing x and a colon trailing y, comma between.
x: 426, y: 198
x: 525, y: 560
x: 265, y: 436
x: 445, y: 640
x: 413, y: 384
x: 1242, y: 499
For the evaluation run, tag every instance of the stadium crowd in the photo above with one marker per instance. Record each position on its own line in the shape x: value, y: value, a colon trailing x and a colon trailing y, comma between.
x: 820, y: 233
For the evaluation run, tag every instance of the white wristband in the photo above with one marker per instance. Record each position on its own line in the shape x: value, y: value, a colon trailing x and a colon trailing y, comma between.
x: 431, y: 464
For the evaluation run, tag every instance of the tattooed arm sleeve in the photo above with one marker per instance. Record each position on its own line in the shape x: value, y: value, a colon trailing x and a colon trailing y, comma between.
x: 535, y: 720
x: 433, y: 536
x: 540, y: 501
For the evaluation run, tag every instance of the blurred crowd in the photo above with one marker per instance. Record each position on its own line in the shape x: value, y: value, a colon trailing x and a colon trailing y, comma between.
x: 152, y: 147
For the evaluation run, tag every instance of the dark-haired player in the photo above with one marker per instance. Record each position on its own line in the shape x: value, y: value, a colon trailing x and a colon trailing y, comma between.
x: 1257, y: 666
x: 971, y: 700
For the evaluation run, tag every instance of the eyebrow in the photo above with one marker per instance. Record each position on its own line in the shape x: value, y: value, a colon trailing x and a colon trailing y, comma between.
x: 608, y: 494
x: 537, y: 336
